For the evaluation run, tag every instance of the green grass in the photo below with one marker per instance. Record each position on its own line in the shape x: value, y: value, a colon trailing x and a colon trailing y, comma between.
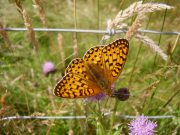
x: 154, y: 84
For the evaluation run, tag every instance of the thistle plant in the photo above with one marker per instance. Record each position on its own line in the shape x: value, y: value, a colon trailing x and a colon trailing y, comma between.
x: 48, y: 67
x: 142, y: 126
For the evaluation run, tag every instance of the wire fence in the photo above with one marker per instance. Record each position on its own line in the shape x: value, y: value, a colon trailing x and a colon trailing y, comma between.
x: 109, y: 32
x: 80, y: 117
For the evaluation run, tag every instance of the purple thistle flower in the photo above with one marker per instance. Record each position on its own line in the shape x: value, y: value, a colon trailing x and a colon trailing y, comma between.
x: 99, y: 96
x: 48, y: 67
x: 142, y: 126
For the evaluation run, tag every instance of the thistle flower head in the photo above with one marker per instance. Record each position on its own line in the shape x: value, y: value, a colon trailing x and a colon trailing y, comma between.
x: 48, y: 67
x: 142, y: 126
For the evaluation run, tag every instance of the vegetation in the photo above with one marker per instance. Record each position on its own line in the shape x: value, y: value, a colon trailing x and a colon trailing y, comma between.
x: 153, y: 83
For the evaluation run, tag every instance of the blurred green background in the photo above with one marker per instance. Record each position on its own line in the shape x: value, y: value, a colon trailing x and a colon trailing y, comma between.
x: 154, y: 84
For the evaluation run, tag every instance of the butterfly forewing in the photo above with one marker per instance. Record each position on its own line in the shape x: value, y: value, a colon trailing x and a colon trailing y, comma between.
x: 114, y: 56
x: 94, y: 56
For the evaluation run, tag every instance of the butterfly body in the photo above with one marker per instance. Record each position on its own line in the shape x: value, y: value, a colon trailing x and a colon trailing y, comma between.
x: 100, y: 80
x: 95, y: 72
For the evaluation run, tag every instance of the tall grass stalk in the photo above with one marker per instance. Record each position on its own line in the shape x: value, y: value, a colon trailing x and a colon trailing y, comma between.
x: 41, y: 13
x: 166, y: 66
x: 5, y: 36
x: 136, y: 58
x: 162, y: 27
x: 61, y: 48
x: 113, y: 117
x: 39, y: 6
x: 27, y: 24
x: 75, y: 44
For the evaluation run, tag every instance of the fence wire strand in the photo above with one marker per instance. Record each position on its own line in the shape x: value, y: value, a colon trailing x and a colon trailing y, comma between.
x: 80, y: 117
x: 110, y: 32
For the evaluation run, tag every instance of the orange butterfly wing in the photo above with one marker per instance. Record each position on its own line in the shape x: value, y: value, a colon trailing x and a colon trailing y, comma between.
x: 98, y: 70
x: 76, y: 83
x: 114, y: 57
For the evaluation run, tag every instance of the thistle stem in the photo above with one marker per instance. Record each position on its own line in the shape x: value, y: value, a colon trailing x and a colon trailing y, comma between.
x: 113, y: 117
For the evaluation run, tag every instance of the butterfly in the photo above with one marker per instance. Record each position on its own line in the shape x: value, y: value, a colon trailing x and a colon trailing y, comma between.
x: 95, y: 72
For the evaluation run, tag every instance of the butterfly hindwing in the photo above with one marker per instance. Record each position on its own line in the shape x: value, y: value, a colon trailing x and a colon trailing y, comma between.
x: 74, y: 86
x: 77, y: 66
x: 77, y: 82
